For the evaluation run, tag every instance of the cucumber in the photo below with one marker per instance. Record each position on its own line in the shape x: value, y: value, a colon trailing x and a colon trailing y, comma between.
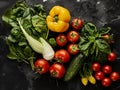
x: 74, y: 67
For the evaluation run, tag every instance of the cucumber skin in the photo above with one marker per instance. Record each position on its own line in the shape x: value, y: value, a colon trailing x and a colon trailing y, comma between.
x: 74, y: 67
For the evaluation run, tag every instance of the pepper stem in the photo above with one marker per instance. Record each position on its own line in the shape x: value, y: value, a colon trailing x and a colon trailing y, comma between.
x: 56, y: 18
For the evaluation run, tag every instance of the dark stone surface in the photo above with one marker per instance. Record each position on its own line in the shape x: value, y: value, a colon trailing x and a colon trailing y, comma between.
x: 14, y: 76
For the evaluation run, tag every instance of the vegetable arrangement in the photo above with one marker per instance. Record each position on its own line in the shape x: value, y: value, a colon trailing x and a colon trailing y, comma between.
x: 57, y: 45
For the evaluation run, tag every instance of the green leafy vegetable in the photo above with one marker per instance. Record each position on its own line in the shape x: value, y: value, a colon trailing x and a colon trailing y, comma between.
x: 41, y: 47
x: 34, y: 23
x: 91, y: 42
x: 52, y: 42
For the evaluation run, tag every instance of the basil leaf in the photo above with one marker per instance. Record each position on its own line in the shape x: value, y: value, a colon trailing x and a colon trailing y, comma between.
x: 91, y: 29
x: 103, y: 46
x: 104, y: 30
x: 84, y: 46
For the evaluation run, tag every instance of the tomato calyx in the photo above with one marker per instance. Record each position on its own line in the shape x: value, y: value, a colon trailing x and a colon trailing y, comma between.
x: 74, y: 48
x: 39, y: 69
x: 54, y: 74
x: 76, y: 22
x: 61, y: 39
x: 72, y: 34
x: 59, y: 59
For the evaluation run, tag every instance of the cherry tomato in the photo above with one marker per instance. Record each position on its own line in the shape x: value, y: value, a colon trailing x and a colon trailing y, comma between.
x: 77, y: 23
x: 73, y: 49
x: 114, y: 76
x: 108, y: 38
x: 57, y: 70
x: 96, y: 66
x: 73, y: 36
x: 41, y: 66
x: 62, y: 56
x: 99, y: 75
x: 107, y: 69
x: 111, y: 57
x: 61, y: 40
x: 106, y: 82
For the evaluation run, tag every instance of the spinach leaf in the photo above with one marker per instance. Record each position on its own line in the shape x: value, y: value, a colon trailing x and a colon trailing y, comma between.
x: 34, y: 22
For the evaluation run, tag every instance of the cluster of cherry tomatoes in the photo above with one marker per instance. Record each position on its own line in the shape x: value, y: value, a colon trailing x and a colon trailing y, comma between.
x: 67, y: 46
x: 105, y: 73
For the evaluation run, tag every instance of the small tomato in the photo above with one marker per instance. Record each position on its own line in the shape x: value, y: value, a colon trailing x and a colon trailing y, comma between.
x: 57, y: 70
x: 62, y: 56
x: 106, y: 82
x: 96, y: 66
x: 107, y: 69
x: 41, y: 66
x: 99, y: 75
x: 114, y: 76
x: 73, y: 49
x: 61, y: 40
x: 77, y: 23
x: 73, y: 36
x: 111, y: 57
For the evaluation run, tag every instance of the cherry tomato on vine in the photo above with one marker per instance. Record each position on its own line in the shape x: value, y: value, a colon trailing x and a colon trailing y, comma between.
x: 96, y: 66
x: 73, y: 36
x: 107, y: 69
x: 114, y: 76
x: 99, y: 75
x: 41, y: 66
x: 73, y: 49
x: 57, y: 70
x: 77, y: 23
x: 61, y: 40
x: 62, y: 56
x: 111, y: 57
x: 106, y: 82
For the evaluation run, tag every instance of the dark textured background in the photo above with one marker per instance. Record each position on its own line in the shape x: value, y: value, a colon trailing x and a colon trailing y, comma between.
x: 14, y: 76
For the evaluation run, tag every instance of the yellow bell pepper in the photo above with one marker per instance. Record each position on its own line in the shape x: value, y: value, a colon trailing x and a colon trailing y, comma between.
x: 58, y: 19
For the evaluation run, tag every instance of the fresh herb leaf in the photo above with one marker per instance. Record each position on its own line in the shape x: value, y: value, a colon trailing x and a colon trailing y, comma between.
x: 91, y: 42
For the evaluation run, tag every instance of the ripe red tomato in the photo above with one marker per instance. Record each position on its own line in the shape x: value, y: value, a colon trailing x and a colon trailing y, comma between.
x: 77, y: 23
x: 107, y: 69
x: 61, y: 40
x: 73, y: 49
x: 41, y: 66
x: 99, y: 75
x: 73, y: 36
x: 96, y: 66
x: 111, y: 56
x: 114, y: 76
x: 57, y: 70
x: 106, y: 82
x: 62, y: 56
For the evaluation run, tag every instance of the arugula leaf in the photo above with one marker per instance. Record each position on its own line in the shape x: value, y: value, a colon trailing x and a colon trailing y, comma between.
x: 103, y: 31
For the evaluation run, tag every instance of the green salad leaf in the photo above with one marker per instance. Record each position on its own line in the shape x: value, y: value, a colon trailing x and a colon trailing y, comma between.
x: 33, y: 21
